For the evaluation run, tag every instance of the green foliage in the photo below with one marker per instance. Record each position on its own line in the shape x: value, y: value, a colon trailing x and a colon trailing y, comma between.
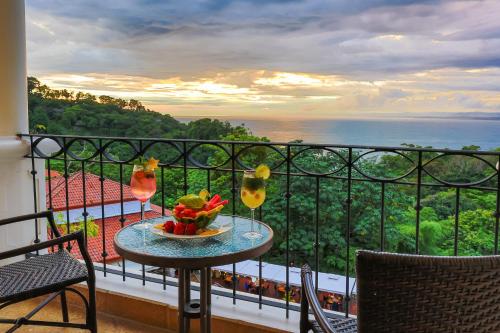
x: 476, y: 232
x: 66, y: 112
x: 63, y: 112
x: 91, y: 227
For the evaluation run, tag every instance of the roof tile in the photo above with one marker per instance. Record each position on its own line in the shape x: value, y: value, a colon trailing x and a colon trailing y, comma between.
x: 57, y: 190
x: 112, y: 226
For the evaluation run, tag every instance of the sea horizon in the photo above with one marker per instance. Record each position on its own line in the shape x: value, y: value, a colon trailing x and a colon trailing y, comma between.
x: 450, y: 133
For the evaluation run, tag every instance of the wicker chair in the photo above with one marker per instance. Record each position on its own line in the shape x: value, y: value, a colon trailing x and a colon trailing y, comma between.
x: 417, y: 294
x: 47, y: 274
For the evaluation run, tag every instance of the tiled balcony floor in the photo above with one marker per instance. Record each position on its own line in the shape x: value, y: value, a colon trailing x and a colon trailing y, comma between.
x: 106, y: 323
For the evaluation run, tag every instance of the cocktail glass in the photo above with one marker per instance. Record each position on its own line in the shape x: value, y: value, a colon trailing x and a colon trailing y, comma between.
x: 143, y: 187
x: 253, y: 195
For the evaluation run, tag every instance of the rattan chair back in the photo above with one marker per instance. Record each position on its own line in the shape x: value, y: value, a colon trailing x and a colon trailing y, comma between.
x: 423, y: 294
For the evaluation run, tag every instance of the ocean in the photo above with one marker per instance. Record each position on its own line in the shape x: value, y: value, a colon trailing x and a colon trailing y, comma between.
x: 436, y: 132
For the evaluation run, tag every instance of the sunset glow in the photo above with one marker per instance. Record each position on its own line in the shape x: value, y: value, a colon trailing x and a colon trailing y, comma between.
x: 396, y: 57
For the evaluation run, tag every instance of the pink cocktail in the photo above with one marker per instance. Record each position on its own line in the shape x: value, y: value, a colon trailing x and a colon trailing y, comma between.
x: 143, y: 187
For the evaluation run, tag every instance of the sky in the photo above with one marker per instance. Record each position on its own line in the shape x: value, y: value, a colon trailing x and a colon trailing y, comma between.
x: 273, y: 58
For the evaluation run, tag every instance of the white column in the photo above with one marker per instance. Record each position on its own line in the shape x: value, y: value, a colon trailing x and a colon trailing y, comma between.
x: 13, y: 85
x: 16, y: 183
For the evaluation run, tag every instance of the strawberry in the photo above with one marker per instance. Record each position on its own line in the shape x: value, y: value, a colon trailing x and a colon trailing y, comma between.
x: 191, y: 229
x: 179, y: 229
x: 169, y: 226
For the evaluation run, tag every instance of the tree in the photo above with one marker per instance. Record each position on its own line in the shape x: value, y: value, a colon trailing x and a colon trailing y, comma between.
x: 33, y: 85
x: 57, y: 112
x: 135, y: 105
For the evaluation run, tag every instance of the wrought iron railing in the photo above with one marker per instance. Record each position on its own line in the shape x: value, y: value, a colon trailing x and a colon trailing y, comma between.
x: 346, y: 166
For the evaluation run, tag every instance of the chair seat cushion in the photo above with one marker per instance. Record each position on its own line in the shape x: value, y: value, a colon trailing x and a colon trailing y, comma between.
x: 340, y: 325
x: 40, y: 275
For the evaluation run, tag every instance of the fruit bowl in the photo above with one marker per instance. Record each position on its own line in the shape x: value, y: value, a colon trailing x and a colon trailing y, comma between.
x: 194, y: 213
x: 202, y: 219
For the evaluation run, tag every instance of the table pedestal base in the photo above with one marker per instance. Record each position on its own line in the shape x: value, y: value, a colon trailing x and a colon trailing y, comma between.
x: 194, y: 308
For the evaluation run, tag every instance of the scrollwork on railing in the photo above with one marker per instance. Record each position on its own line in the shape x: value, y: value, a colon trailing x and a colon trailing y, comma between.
x: 168, y: 145
x: 484, y: 179
x: 412, y: 167
x: 212, y: 146
x: 261, y: 146
x: 335, y: 169
x: 217, y: 155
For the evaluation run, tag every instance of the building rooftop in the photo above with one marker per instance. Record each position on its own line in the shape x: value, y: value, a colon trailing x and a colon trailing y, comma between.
x: 112, y: 213
x: 57, y: 191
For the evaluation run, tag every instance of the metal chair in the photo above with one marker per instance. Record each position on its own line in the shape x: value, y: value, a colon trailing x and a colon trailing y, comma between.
x: 47, y: 274
x: 321, y: 322
x: 416, y: 294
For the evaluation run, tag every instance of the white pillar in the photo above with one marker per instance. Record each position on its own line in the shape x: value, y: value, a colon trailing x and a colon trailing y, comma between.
x: 13, y: 85
x: 16, y: 183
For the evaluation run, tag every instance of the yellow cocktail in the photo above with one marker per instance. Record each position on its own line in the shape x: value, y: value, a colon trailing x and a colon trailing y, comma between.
x: 253, y: 193
x: 252, y: 197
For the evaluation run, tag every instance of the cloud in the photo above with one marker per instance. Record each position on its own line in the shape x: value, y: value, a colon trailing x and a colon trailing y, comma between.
x: 291, y: 53
x: 264, y: 93
x: 160, y: 37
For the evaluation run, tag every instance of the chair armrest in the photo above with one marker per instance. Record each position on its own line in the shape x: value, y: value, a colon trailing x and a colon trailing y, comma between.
x: 309, y: 296
x: 78, y: 236
x: 49, y: 215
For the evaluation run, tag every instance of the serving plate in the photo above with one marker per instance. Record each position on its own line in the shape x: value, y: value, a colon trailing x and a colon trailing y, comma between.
x: 215, y: 229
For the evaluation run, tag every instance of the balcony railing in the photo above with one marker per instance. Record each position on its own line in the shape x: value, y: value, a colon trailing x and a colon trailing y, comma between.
x: 318, y: 191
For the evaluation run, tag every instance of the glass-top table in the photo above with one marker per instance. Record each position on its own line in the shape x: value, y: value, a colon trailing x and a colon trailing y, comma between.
x: 148, y: 248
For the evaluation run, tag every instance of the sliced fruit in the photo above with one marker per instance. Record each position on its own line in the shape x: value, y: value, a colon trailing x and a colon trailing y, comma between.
x: 204, y: 194
x: 188, y: 212
x: 209, y: 232
x: 138, y: 175
x: 223, y: 203
x: 149, y: 173
x: 192, y: 201
x: 215, y: 210
x: 216, y: 198
x: 263, y: 172
x: 152, y: 164
x: 201, y: 213
x: 179, y: 207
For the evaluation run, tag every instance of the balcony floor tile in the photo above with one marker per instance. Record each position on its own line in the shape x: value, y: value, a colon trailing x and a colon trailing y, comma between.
x: 106, y: 323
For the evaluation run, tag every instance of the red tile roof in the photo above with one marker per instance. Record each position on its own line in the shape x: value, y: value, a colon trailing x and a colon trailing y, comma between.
x: 75, y: 191
x: 112, y: 226
x: 93, y: 198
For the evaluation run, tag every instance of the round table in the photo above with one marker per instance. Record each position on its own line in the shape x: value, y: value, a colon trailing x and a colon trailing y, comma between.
x: 145, y: 247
